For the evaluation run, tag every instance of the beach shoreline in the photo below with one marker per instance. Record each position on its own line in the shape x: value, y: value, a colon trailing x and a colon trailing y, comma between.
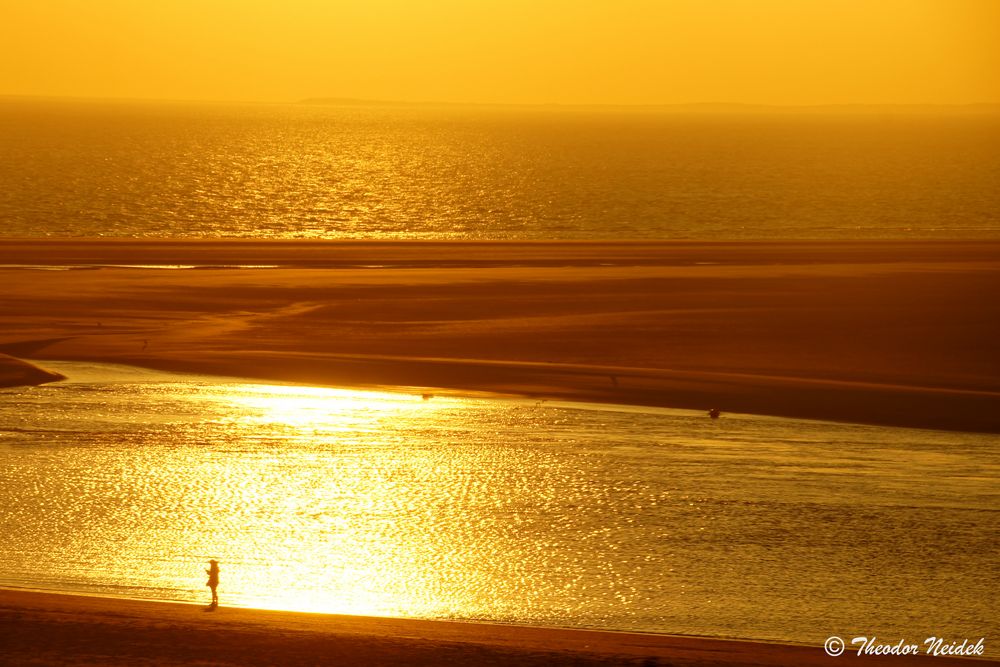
x: 52, y: 628
x: 892, y: 333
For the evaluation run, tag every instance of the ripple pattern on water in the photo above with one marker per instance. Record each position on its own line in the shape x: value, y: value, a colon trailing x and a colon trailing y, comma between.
x: 125, y: 482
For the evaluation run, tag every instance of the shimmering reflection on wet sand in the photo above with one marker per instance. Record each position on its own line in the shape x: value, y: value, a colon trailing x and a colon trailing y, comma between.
x: 124, y: 482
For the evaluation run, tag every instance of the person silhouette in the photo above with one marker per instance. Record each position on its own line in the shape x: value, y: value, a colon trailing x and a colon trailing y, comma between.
x: 213, y: 582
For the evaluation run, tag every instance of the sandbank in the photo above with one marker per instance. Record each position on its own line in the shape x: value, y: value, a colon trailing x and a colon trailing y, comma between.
x: 897, y: 333
x: 17, y: 373
x: 51, y: 629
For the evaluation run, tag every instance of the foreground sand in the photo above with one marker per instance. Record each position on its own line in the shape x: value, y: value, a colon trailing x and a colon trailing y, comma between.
x: 900, y: 333
x: 46, y: 629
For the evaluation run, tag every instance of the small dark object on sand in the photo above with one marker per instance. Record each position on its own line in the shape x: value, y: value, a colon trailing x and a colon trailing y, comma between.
x: 714, y: 413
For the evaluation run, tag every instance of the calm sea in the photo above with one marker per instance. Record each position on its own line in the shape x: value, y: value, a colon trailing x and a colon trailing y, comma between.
x: 125, y: 482
x: 172, y: 170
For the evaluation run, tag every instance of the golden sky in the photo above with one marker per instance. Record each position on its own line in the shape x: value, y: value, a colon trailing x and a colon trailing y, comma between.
x: 507, y: 51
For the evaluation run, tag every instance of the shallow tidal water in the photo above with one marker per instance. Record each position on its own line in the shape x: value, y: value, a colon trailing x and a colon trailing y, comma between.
x: 124, y: 482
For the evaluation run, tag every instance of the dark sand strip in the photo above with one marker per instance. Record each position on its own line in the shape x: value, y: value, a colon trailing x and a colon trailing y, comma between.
x: 859, y: 402
x: 480, y: 254
x: 47, y: 629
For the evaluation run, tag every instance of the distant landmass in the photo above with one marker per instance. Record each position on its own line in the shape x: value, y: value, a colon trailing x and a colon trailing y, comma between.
x: 357, y: 102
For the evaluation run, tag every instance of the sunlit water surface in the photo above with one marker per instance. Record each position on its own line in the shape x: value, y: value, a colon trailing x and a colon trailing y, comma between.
x: 155, y: 170
x: 125, y: 482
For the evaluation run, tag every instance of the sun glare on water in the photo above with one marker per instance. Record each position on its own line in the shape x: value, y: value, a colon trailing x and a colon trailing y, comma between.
x: 366, y: 552
x: 320, y: 409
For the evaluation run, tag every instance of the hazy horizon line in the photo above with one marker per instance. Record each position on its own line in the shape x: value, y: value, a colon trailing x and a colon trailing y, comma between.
x: 703, y: 105
x: 638, y: 106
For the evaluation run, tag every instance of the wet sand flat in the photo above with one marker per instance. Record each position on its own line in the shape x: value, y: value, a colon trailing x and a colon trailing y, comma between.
x: 898, y: 333
x: 49, y: 629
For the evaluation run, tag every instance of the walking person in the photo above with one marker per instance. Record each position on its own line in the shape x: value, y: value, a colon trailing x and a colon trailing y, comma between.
x: 213, y: 582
